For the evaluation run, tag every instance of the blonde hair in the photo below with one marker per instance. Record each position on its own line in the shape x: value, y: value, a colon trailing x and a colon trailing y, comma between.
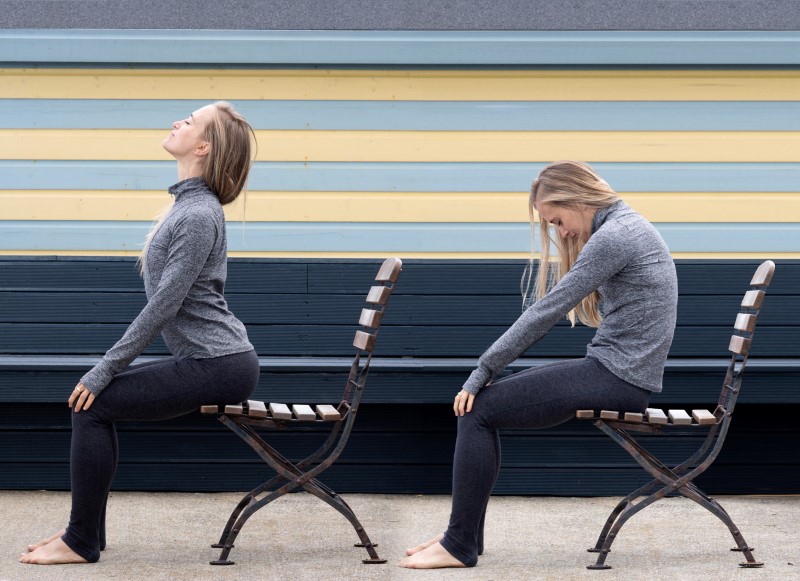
x: 575, y: 186
x: 227, y: 165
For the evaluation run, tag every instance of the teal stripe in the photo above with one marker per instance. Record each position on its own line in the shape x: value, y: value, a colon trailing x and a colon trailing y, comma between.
x: 405, y: 177
x: 384, y: 237
x: 414, y: 115
x: 268, y: 47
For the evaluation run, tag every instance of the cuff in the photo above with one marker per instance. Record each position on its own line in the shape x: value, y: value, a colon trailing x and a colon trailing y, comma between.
x: 477, y: 380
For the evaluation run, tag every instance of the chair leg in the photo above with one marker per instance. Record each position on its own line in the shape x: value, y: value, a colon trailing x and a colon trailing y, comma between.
x: 248, y: 499
x: 716, y: 509
x: 339, y: 504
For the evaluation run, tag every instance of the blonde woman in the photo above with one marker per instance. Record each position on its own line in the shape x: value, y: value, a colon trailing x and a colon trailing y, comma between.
x: 184, y: 269
x: 607, y: 252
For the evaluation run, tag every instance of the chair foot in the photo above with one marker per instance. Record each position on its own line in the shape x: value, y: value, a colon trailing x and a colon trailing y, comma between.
x: 373, y: 561
x: 751, y: 564
x: 221, y: 546
x: 598, y: 567
x: 221, y: 562
x: 739, y: 550
x: 363, y: 546
x: 593, y: 550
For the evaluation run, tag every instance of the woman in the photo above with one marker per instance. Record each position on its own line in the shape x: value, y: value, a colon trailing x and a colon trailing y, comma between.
x: 184, y: 268
x: 605, y: 250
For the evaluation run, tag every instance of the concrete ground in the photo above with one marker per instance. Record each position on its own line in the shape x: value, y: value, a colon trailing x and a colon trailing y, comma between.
x: 166, y: 536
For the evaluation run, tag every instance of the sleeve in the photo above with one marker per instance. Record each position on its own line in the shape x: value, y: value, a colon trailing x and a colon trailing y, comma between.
x: 193, y: 238
x: 605, y: 254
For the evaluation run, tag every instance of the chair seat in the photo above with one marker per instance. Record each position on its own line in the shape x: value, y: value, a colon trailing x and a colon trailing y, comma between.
x: 277, y: 411
x: 652, y: 416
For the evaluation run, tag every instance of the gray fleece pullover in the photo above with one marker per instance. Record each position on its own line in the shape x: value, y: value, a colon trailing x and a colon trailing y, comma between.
x: 628, y: 262
x: 184, y: 279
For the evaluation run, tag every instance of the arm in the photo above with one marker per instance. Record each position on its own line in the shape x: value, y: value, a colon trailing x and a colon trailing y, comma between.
x: 193, y: 238
x: 605, y: 254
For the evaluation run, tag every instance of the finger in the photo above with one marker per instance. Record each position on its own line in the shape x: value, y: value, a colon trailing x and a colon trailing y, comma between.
x: 470, y: 399
x: 80, y: 402
x: 89, y: 400
x: 461, y: 401
x: 72, y: 398
x: 455, y: 406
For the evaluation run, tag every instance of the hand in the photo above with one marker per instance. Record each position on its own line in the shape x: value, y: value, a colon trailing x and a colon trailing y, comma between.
x: 463, y: 403
x: 81, y: 397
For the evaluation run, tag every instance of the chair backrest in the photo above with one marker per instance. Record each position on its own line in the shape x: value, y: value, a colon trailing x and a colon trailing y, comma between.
x: 742, y: 339
x: 370, y: 322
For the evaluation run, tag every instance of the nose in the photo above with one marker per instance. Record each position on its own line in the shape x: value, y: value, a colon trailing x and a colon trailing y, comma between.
x: 564, y: 232
x: 176, y: 124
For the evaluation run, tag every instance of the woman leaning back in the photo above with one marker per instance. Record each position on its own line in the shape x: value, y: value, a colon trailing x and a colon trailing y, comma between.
x: 184, y: 269
x: 607, y: 252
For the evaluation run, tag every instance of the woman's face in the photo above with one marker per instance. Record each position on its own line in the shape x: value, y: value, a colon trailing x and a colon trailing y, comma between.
x: 569, y: 222
x: 186, y: 137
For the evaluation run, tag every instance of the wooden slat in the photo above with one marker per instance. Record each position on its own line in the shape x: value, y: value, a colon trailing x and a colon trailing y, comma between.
x: 370, y: 318
x: 234, y: 410
x: 209, y: 409
x: 655, y: 416
x: 257, y: 409
x: 679, y: 418
x: 753, y: 299
x: 745, y: 322
x: 704, y: 417
x: 634, y: 417
x: 280, y: 411
x: 364, y: 341
x: 763, y: 274
x: 328, y: 413
x: 609, y: 415
x: 304, y: 413
x: 378, y: 295
x: 390, y: 270
x: 584, y: 414
x: 739, y: 345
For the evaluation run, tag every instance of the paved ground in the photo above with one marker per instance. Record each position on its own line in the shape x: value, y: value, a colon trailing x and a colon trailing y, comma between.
x: 165, y: 536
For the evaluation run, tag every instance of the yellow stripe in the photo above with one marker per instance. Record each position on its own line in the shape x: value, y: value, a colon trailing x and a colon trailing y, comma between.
x: 262, y: 206
x: 450, y: 255
x: 426, y: 146
x: 672, y: 85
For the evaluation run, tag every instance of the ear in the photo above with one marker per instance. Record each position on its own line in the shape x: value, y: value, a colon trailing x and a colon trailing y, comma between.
x: 202, y: 149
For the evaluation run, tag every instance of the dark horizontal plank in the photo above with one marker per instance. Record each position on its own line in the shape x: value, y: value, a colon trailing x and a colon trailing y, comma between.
x: 394, y: 341
x: 503, y: 277
x: 421, y: 386
x: 318, y: 276
x: 404, y: 309
x: 401, y: 479
x: 534, y: 449
x: 122, y: 275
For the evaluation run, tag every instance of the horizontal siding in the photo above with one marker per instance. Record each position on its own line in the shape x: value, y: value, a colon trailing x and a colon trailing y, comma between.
x: 424, y: 146
x: 401, y: 47
x: 397, y: 238
x: 394, y: 115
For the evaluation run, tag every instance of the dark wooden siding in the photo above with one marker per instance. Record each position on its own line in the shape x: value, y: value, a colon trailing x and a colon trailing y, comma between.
x: 56, y: 315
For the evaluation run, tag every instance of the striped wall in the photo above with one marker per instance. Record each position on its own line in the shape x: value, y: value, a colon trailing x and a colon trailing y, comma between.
x: 427, y: 157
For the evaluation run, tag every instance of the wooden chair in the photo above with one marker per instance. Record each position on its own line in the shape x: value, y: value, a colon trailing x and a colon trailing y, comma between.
x: 244, y: 419
x: 679, y: 479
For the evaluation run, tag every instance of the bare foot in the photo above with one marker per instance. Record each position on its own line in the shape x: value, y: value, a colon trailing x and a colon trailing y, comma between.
x: 425, y: 545
x: 43, y: 542
x: 434, y: 557
x: 54, y: 553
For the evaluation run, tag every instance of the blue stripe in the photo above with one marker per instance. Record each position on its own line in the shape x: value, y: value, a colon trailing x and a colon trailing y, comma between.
x: 269, y: 47
x: 384, y: 237
x: 414, y: 115
x: 405, y: 177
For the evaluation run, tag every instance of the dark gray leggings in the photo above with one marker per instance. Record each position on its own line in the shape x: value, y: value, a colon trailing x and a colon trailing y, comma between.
x: 539, y: 397
x: 152, y: 391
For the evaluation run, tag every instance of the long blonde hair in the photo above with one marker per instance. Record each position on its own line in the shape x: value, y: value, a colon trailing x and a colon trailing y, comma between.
x: 575, y: 186
x: 227, y: 165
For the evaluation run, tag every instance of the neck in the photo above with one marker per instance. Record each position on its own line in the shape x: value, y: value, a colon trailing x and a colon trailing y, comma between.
x: 188, y: 170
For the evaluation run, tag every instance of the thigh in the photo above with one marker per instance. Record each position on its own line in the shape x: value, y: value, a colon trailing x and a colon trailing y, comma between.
x: 549, y: 395
x: 155, y: 390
